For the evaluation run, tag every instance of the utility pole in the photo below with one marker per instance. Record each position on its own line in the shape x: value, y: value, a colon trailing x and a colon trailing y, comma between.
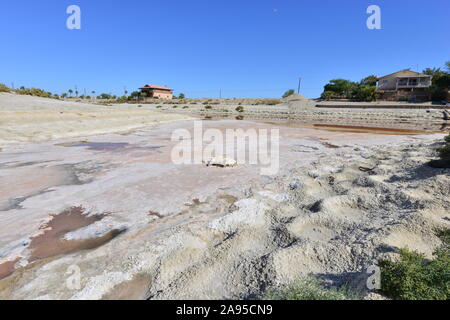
x: 299, y: 85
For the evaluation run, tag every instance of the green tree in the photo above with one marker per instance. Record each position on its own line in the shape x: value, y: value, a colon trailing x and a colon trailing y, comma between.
x: 369, y: 81
x: 181, y: 96
x: 105, y: 96
x: 134, y: 94
x: 64, y: 95
x: 433, y: 71
x: 364, y: 93
x: 341, y: 88
x: 440, y: 82
x: 70, y: 92
x: 288, y: 93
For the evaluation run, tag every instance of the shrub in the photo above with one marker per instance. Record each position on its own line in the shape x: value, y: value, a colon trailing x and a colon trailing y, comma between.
x: 272, y: 102
x: 413, y: 277
x: 444, y: 235
x: 447, y: 139
x: 240, y: 109
x: 327, y: 95
x: 208, y: 107
x: 308, y: 288
x: 288, y: 93
x: 34, y: 92
x: 444, y: 152
x: 4, y: 88
x: 105, y: 96
x: 364, y: 93
x: 158, y: 107
x: 185, y: 107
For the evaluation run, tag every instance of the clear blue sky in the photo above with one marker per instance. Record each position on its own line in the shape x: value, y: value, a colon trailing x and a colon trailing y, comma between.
x: 247, y: 48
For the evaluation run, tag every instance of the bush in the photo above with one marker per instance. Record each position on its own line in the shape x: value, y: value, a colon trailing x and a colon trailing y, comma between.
x: 34, y: 92
x: 240, y: 109
x: 4, y: 88
x: 327, y: 95
x: 308, y: 288
x: 413, y: 277
x: 444, y: 152
x: 447, y: 139
x: 437, y: 93
x: 208, y: 107
x: 364, y: 93
x: 105, y: 96
x: 288, y: 93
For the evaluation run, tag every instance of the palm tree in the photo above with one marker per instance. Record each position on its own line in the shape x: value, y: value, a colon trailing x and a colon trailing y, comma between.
x: 70, y: 92
x: 93, y: 93
x: 76, y: 93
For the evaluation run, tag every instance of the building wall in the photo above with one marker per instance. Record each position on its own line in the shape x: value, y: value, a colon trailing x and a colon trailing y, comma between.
x: 414, y: 95
x: 161, y: 94
x: 387, y: 84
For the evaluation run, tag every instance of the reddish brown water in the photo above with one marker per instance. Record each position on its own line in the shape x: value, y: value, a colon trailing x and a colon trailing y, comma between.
x: 7, y: 268
x: 363, y: 129
x: 51, y: 242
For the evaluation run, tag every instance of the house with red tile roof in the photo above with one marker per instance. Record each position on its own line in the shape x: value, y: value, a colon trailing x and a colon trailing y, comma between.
x: 158, y: 92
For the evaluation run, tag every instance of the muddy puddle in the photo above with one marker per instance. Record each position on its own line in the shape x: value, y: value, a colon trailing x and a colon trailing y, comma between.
x: 7, y: 268
x: 52, y: 243
x: 108, y: 146
x: 376, y: 130
x: 97, y: 146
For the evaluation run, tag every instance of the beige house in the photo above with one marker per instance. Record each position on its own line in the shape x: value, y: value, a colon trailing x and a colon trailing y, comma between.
x: 404, y: 85
x: 158, y: 92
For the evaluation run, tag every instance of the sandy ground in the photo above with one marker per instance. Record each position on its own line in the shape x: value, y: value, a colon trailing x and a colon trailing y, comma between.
x: 137, y: 226
x: 31, y: 119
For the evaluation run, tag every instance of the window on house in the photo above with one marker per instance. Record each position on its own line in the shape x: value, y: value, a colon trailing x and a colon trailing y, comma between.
x: 403, y: 82
x: 413, y: 82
